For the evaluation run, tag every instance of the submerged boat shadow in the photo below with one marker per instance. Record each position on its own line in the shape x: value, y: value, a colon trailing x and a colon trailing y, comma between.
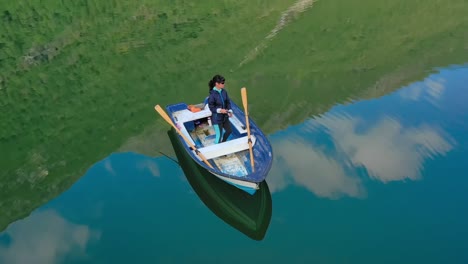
x: 250, y: 214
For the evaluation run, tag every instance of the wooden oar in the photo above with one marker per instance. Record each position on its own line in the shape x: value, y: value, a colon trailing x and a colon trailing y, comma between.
x: 168, y: 120
x: 244, y: 102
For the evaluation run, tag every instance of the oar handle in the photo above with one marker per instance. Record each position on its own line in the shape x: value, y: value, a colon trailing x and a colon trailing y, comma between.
x: 163, y: 114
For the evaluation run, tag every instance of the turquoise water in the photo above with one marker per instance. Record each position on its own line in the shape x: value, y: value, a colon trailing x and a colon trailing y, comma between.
x: 382, y: 180
x: 364, y: 103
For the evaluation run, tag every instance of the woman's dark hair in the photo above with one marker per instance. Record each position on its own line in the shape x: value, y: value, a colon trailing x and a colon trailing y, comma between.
x: 216, y: 79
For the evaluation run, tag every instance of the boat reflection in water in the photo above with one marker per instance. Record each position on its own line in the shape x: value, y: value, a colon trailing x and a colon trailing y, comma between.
x: 250, y: 214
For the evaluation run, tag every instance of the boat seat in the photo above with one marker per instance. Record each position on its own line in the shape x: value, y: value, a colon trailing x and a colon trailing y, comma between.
x: 225, y: 148
x: 187, y: 115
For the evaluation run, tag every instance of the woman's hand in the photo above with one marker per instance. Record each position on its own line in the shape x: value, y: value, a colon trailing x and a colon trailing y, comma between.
x: 225, y: 111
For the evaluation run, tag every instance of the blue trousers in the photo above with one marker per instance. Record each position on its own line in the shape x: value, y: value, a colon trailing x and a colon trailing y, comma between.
x: 220, y: 136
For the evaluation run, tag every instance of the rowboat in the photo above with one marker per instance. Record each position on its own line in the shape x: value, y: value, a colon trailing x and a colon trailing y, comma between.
x: 244, y: 160
x: 249, y: 214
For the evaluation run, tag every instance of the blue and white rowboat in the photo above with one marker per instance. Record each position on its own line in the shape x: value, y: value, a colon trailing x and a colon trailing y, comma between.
x: 230, y: 161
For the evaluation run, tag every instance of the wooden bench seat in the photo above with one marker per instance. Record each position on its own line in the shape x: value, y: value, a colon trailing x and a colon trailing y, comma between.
x: 185, y: 115
x: 228, y: 147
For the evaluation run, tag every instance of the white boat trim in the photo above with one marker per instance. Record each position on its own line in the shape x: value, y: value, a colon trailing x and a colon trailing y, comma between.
x: 184, y: 131
x: 250, y: 185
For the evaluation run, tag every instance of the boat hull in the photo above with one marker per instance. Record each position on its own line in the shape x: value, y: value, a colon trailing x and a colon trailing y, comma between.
x: 249, y: 214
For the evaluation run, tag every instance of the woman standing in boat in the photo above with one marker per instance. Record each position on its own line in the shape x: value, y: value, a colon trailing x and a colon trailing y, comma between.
x: 220, y: 106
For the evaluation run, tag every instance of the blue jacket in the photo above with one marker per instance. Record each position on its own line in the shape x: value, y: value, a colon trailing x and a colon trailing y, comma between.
x: 216, y: 101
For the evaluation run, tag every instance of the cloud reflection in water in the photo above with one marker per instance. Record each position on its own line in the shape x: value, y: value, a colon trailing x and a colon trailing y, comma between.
x: 388, y: 151
x: 44, y: 238
x: 332, y: 154
x: 307, y: 165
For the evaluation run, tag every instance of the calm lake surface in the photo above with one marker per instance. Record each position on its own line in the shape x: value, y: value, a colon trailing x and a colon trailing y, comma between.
x: 364, y: 102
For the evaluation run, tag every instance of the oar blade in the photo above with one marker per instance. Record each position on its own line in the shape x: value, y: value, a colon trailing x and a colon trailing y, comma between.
x: 164, y: 115
x: 244, y: 98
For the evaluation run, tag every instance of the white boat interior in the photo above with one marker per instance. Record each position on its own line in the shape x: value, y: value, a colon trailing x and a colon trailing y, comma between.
x: 231, y: 157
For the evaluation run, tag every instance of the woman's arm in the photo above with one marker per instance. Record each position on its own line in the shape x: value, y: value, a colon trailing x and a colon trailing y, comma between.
x: 212, y: 103
x: 228, y: 102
